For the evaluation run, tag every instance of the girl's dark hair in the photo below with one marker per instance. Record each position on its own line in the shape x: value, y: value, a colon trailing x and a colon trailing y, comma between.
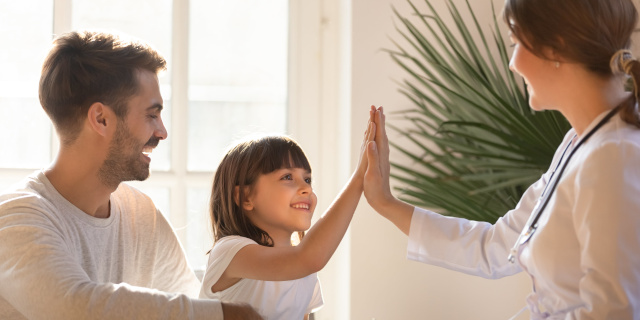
x: 240, y: 168
x: 87, y: 67
x: 589, y: 32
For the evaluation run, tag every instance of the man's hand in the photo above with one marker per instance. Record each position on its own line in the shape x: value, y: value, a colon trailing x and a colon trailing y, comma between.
x: 235, y: 311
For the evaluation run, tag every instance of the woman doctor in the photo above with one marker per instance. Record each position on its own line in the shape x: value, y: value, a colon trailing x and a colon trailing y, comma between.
x: 576, y: 231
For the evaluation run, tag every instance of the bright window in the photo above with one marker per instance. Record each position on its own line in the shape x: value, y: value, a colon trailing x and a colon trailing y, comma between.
x: 24, y: 127
x: 227, y: 77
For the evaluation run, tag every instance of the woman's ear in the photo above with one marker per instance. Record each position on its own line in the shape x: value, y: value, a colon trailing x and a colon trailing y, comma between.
x: 553, y: 54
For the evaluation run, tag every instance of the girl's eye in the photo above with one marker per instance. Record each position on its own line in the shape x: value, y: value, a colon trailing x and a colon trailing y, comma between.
x: 287, y: 177
x: 307, y: 180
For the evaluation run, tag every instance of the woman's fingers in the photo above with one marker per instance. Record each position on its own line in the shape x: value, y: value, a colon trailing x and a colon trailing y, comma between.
x: 373, y: 169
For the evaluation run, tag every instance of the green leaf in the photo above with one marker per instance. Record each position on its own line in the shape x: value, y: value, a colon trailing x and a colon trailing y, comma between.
x: 474, y: 142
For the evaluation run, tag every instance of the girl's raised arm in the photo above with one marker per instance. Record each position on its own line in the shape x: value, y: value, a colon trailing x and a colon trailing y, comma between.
x: 318, y: 245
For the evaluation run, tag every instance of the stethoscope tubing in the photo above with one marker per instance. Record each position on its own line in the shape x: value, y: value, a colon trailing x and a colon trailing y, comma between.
x: 532, y: 224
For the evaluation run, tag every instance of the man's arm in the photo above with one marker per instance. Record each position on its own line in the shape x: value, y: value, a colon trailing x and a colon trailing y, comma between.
x: 42, y: 278
x: 233, y: 311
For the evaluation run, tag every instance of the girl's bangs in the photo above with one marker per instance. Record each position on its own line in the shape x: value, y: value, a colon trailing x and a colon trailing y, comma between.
x: 281, y: 152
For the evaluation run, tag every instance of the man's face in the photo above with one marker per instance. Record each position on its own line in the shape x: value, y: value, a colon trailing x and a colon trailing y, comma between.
x: 136, y: 135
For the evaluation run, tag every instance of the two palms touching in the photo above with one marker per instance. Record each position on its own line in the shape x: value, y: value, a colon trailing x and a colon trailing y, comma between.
x: 376, y: 160
x: 376, y: 179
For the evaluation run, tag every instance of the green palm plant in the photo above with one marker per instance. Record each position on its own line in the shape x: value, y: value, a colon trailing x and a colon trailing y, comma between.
x: 475, y: 143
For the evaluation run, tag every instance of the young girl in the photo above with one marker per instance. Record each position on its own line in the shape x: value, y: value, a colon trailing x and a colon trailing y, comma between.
x: 262, y: 195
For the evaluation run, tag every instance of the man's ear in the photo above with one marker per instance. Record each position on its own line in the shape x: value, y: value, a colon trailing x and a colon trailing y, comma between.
x: 100, y: 118
x: 246, y: 203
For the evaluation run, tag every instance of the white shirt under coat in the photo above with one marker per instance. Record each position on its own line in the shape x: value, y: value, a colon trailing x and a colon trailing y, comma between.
x: 584, y: 258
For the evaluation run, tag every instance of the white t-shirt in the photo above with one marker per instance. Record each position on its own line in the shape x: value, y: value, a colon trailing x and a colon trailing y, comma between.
x: 57, y: 262
x: 274, y: 300
x: 584, y: 258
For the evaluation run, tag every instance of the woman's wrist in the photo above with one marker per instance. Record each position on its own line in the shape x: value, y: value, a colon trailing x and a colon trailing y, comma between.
x: 384, y: 204
x: 398, y: 212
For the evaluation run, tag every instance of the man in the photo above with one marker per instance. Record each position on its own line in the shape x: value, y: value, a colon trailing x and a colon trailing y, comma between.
x: 75, y: 243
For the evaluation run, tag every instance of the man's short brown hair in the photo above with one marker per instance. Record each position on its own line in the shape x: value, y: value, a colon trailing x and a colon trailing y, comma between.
x: 87, y: 67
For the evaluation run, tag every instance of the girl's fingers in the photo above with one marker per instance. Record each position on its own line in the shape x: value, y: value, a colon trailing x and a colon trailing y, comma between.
x: 368, y: 138
x: 372, y: 113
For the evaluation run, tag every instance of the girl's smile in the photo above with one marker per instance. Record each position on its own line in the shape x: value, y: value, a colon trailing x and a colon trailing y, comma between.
x: 282, y: 202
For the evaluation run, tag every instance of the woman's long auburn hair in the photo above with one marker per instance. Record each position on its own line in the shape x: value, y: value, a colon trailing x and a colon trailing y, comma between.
x: 239, y: 170
x: 588, y: 32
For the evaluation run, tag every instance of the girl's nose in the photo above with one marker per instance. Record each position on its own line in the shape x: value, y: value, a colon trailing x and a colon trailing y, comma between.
x: 305, y: 188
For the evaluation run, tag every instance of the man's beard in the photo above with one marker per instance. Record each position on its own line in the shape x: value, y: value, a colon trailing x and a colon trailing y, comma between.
x: 120, y: 166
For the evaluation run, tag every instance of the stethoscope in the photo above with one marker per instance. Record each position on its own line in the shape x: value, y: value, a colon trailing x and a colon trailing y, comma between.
x: 532, y: 223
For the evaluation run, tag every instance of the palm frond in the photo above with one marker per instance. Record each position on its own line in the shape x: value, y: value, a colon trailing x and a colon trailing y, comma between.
x: 476, y: 144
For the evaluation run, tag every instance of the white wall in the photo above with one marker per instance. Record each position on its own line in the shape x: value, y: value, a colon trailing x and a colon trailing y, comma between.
x: 382, y: 284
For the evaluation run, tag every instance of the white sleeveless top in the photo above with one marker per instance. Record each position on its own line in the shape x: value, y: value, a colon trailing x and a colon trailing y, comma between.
x: 272, y: 299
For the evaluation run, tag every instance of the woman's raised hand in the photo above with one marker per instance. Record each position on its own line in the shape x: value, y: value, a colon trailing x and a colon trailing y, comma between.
x: 376, y: 182
x: 376, y: 179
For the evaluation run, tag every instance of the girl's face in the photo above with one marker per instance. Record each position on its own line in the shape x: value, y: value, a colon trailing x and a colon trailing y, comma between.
x: 540, y: 75
x: 281, y: 203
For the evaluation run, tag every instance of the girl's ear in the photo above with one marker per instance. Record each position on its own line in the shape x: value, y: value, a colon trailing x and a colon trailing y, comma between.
x: 246, y: 203
x: 236, y: 195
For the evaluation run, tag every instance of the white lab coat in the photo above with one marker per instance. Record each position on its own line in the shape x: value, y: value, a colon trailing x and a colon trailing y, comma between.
x: 584, y: 258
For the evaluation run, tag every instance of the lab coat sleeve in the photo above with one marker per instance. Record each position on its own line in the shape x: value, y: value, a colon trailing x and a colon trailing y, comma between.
x: 606, y: 220
x: 472, y: 247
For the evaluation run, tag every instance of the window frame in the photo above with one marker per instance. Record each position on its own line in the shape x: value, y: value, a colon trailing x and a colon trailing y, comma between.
x: 318, y: 117
x: 310, y: 39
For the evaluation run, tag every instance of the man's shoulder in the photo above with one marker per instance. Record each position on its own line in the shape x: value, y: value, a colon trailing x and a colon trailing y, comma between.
x: 28, y: 193
x: 131, y: 196
x: 26, y: 205
x: 22, y: 199
x: 135, y: 205
x: 127, y: 189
